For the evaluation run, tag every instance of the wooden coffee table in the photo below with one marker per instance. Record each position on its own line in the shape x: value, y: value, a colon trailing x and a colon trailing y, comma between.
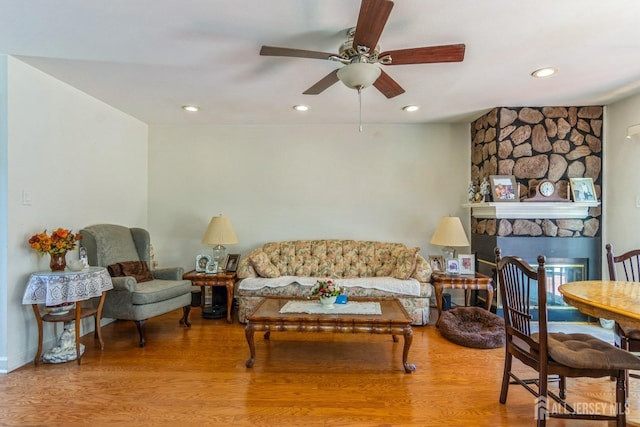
x: 394, y: 320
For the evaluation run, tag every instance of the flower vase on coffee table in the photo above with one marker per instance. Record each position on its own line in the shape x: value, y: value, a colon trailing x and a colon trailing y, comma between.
x: 328, y: 302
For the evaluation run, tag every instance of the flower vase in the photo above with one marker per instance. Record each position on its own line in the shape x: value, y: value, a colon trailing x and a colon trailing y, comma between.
x: 328, y: 302
x: 58, y: 262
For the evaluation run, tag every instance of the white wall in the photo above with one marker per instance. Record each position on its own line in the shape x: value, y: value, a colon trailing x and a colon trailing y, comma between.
x: 622, y: 173
x: 82, y: 162
x: 4, y: 227
x: 389, y: 183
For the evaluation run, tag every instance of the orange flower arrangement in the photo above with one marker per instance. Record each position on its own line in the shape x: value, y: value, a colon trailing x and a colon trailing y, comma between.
x: 59, y: 242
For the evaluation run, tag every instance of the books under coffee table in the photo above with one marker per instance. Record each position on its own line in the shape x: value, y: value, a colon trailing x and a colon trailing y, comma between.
x: 393, y: 320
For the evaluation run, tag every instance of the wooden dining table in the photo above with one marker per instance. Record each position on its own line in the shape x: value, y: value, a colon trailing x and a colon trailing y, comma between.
x: 607, y: 299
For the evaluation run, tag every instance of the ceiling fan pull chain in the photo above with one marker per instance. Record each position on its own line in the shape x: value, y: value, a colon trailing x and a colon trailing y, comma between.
x: 360, y: 108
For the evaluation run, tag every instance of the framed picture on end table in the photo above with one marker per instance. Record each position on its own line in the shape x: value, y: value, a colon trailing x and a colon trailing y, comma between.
x: 202, y: 261
x: 453, y: 266
x: 436, y: 262
x: 231, y: 262
x: 212, y: 267
x: 467, y: 263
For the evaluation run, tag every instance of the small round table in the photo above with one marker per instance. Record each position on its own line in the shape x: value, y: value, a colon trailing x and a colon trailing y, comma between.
x: 55, y: 288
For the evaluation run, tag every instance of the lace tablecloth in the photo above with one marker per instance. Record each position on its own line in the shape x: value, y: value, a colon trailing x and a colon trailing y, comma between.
x: 53, y: 288
x: 314, y: 307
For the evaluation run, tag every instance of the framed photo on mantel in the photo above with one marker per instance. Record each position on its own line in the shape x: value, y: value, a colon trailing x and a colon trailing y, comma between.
x: 504, y: 188
x: 582, y: 190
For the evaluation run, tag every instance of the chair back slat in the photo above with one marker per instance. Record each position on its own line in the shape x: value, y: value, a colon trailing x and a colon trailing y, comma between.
x: 628, y: 262
x: 518, y: 281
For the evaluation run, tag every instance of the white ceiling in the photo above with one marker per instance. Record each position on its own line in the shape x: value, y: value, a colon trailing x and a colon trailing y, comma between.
x: 149, y: 57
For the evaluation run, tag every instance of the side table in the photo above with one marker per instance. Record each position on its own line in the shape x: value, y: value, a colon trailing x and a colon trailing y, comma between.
x: 478, y: 281
x: 55, y: 288
x: 226, y: 279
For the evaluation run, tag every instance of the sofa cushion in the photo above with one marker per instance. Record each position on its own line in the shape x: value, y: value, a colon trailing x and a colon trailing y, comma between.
x: 139, y: 270
x: 263, y: 265
x: 405, y: 263
x: 422, y: 270
x: 385, y: 261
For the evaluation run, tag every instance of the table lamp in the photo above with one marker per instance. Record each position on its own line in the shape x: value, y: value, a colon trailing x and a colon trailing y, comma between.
x: 448, y: 234
x: 219, y: 233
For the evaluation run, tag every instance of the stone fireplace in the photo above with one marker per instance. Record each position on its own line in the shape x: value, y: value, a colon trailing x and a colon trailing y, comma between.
x: 535, y: 143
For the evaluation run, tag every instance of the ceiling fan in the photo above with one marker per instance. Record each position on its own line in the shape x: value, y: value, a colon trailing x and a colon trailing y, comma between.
x: 360, y: 52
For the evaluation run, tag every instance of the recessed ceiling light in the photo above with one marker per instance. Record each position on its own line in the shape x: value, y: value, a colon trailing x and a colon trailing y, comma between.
x: 301, y: 108
x: 191, y: 108
x: 411, y: 108
x: 544, y: 72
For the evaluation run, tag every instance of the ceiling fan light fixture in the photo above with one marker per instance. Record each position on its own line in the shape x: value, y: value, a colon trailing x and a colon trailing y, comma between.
x: 191, y: 108
x: 411, y: 108
x: 544, y: 72
x: 359, y: 75
x: 301, y: 107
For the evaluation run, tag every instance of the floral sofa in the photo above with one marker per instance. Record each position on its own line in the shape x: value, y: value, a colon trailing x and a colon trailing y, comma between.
x: 364, y: 268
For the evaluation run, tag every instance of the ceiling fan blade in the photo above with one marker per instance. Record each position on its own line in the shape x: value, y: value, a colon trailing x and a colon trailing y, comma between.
x: 323, y: 84
x: 388, y: 86
x: 425, y: 55
x: 371, y: 21
x: 296, y: 53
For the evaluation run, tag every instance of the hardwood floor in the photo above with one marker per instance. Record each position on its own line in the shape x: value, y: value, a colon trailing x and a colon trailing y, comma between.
x: 197, y: 376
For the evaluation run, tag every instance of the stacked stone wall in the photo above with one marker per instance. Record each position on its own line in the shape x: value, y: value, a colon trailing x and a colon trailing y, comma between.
x: 556, y: 143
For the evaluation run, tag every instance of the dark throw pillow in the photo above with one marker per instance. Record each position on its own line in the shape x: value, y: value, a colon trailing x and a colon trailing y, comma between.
x: 137, y: 269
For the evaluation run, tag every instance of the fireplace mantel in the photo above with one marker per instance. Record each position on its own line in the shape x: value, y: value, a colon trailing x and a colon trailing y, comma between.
x: 531, y: 210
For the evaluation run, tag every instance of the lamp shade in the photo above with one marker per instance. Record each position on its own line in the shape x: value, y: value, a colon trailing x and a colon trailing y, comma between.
x: 450, y: 233
x: 219, y: 232
x: 359, y: 74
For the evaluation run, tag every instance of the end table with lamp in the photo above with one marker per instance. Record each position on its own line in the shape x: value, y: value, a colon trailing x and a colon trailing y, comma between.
x: 450, y: 234
x: 56, y: 288
x: 223, y: 278
x: 477, y: 281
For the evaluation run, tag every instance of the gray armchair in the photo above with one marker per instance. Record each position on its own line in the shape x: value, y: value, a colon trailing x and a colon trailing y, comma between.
x: 165, y: 291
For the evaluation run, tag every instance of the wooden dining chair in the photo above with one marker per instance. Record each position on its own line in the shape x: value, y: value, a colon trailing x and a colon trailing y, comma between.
x: 555, y: 356
x: 629, y: 262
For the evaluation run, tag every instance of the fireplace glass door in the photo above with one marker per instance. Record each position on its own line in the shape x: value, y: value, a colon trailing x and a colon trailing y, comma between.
x: 558, y: 271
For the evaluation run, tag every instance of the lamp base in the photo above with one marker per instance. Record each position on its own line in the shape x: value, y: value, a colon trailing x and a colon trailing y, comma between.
x: 219, y: 253
x: 448, y: 252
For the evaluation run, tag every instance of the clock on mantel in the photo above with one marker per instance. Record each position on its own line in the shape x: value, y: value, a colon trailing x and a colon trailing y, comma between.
x: 545, y: 191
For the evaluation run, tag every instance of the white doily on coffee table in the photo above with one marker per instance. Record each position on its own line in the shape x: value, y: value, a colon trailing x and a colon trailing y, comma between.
x: 314, y: 307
